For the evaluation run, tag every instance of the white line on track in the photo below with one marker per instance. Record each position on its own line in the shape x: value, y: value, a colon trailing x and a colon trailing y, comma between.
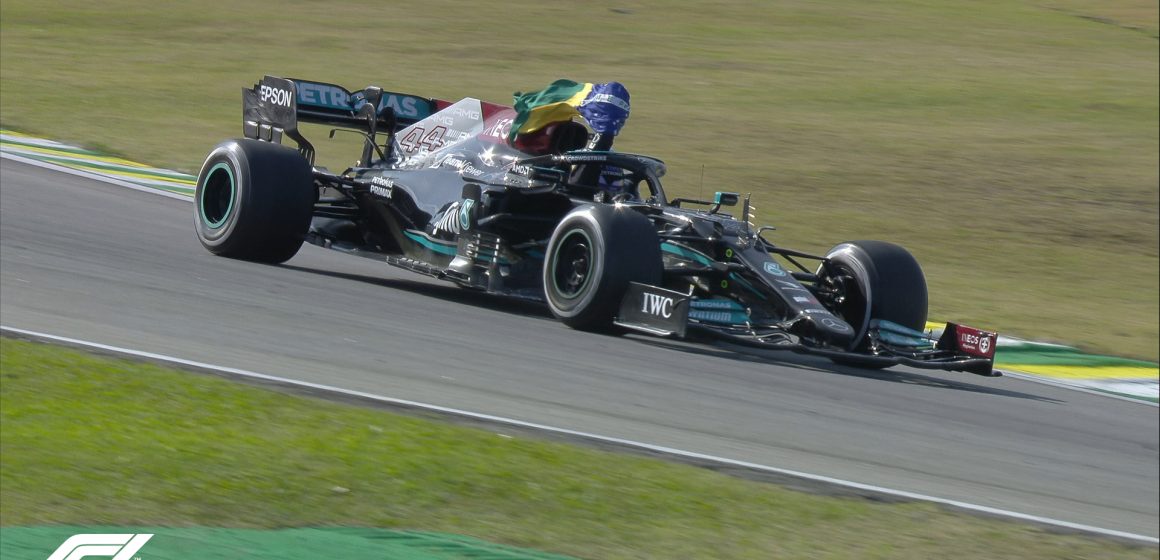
x: 672, y: 452
x: 94, y: 176
x: 1073, y: 387
x: 593, y: 437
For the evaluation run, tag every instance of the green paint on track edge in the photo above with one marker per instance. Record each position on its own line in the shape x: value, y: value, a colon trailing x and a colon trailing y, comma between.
x: 310, y: 543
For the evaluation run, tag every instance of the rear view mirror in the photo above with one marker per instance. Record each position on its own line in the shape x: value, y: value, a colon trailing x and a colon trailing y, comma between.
x: 374, y: 96
x: 726, y: 198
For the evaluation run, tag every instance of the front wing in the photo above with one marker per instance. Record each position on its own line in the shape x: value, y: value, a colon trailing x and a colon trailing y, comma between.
x: 662, y: 312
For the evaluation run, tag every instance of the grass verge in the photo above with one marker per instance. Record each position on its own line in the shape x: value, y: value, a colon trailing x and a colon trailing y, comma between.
x: 90, y: 440
x: 1011, y: 145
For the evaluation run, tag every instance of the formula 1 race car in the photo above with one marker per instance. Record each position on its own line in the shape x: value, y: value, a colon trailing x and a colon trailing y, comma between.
x: 530, y: 202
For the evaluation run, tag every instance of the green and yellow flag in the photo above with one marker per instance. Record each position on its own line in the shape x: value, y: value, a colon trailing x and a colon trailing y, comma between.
x: 556, y: 103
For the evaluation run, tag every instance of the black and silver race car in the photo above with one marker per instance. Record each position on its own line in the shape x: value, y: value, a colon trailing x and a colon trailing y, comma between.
x: 452, y: 190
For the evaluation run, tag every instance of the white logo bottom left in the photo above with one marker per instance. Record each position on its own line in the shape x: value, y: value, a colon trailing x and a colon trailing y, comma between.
x: 117, y: 546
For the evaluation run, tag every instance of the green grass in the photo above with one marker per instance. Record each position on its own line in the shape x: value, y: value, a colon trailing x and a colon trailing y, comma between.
x: 1011, y: 145
x: 90, y: 440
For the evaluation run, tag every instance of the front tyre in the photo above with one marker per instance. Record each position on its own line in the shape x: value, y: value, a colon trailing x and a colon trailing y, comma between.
x: 254, y: 201
x: 875, y: 280
x: 593, y: 254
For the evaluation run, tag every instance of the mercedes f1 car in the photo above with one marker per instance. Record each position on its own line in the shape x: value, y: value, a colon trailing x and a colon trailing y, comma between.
x: 531, y: 202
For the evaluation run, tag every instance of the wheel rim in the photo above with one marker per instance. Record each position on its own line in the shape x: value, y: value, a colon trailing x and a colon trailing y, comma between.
x: 853, y: 307
x: 572, y: 264
x: 216, y: 197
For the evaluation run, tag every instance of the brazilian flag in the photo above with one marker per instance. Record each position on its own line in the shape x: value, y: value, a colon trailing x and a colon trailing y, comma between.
x: 603, y: 106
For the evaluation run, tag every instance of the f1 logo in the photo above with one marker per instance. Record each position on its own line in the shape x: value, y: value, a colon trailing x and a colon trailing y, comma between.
x: 118, y: 546
x: 658, y: 305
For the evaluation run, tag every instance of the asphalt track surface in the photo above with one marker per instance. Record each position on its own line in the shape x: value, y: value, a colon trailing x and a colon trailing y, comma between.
x: 92, y: 261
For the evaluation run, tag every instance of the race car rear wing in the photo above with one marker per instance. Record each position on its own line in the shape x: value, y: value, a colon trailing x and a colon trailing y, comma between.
x: 275, y: 106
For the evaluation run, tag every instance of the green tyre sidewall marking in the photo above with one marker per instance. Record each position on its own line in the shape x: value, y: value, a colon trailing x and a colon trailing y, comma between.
x: 202, y: 193
x: 555, y: 259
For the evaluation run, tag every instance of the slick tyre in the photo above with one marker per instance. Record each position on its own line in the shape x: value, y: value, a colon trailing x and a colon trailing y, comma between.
x: 881, y: 281
x: 253, y: 201
x: 592, y: 255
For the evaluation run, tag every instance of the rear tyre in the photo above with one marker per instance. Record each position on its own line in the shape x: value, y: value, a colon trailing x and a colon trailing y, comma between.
x: 254, y: 201
x: 593, y: 254
x: 880, y: 280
